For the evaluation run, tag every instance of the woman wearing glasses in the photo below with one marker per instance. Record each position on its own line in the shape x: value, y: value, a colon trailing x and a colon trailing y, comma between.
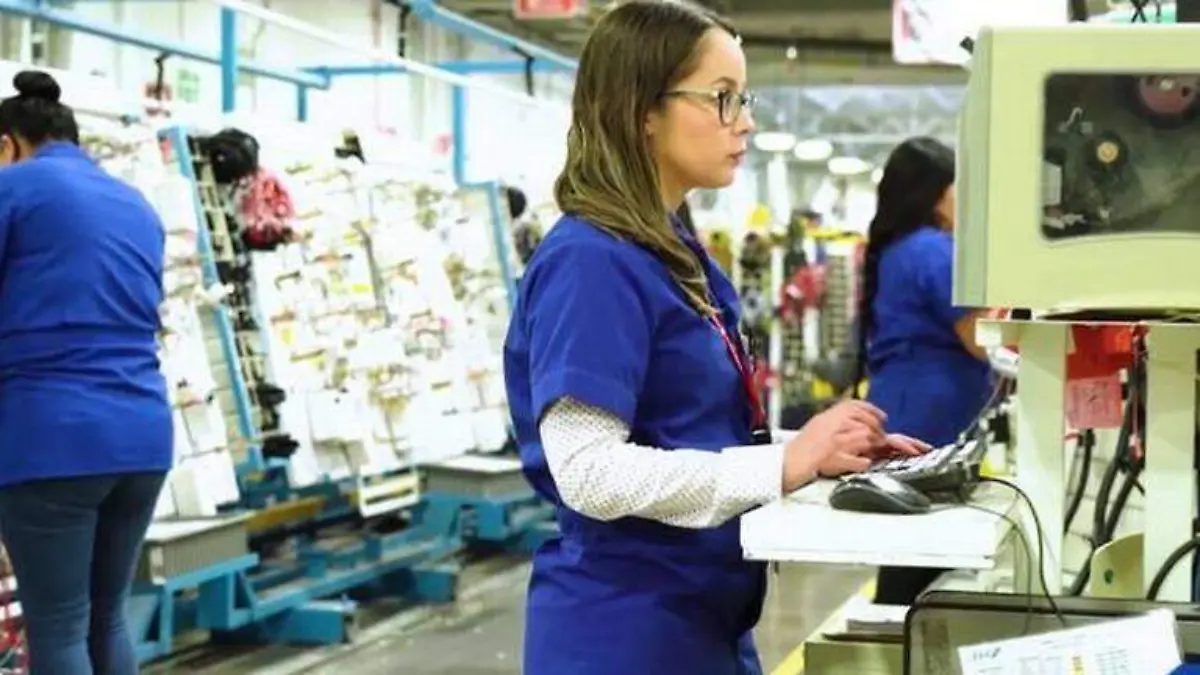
x: 630, y: 391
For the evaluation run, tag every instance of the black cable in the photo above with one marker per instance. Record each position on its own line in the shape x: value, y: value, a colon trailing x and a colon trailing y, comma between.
x: 1079, y: 11
x: 1114, y: 514
x: 1028, y: 558
x: 998, y: 395
x: 1125, y: 455
x: 1169, y: 564
x: 1139, y: 11
x: 1041, y: 544
x: 1087, y: 441
x: 1100, y: 514
x: 1099, y: 523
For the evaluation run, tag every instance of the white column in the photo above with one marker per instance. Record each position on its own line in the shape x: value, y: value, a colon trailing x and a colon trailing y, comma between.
x: 1041, y: 424
x: 1170, y: 476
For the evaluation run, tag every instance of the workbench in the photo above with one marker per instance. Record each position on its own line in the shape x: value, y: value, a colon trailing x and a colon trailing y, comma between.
x: 804, y: 528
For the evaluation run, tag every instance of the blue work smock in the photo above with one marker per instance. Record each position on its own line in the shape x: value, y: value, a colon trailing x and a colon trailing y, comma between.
x: 921, y: 375
x: 81, y: 263
x: 601, y: 321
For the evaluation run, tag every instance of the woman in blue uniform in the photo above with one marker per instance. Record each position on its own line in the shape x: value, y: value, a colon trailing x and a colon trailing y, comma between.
x: 926, y: 372
x: 629, y: 388
x: 85, y: 427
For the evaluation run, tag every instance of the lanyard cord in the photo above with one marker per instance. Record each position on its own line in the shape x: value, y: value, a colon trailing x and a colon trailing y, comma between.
x: 758, y: 414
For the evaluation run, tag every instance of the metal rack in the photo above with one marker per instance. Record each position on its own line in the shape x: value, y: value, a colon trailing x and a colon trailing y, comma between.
x: 214, y: 246
x: 236, y: 594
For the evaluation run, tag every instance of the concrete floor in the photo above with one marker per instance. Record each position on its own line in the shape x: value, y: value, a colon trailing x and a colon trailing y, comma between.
x: 480, y: 634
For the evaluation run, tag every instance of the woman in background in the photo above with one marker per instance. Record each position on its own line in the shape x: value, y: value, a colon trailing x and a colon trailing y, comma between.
x: 85, y: 425
x: 926, y: 372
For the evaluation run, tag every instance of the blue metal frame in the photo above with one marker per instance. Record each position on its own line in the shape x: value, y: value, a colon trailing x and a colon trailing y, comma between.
x: 177, y: 138
x: 305, y: 600
x: 43, y: 11
x: 458, y: 135
x: 500, y: 239
x: 311, y: 598
x: 458, y: 93
x: 229, y: 60
x: 156, y: 613
x: 519, y: 522
x: 431, y: 12
x: 502, y: 67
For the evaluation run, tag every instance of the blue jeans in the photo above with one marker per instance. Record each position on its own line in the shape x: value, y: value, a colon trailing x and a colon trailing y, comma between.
x: 74, y: 546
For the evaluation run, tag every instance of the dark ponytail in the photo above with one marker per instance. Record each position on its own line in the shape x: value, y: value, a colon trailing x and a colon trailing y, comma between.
x: 915, y: 178
x: 35, y: 114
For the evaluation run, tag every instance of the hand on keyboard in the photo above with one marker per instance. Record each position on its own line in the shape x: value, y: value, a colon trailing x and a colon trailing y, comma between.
x: 839, y: 440
x: 899, y: 445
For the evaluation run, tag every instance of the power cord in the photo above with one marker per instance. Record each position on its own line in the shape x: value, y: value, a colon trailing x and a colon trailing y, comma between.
x: 1083, y: 457
x: 1041, y: 544
x: 1168, y: 566
x: 1139, y: 11
x: 1027, y: 549
x: 1104, y: 519
x: 999, y: 393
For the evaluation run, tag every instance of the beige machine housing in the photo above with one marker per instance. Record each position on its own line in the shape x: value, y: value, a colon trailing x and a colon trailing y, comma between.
x: 1004, y: 258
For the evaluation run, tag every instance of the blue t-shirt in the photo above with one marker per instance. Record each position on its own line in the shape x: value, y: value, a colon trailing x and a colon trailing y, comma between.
x: 921, y: 375
x: 81, y: 265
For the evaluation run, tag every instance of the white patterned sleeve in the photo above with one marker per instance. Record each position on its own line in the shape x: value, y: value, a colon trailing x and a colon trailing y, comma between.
x: 600, y: 474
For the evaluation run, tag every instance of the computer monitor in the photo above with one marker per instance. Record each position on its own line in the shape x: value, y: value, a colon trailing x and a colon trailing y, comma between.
x: 1079, y: 169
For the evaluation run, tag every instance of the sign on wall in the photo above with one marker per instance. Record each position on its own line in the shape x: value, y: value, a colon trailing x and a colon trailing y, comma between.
x: 187, y: 84
x: 549, y: 9
x: 926, y: 32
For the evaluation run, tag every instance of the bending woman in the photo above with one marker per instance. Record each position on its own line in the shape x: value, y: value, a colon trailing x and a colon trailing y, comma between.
x: 629, y: 387
x: 926, y: 372
x: 85, y: 426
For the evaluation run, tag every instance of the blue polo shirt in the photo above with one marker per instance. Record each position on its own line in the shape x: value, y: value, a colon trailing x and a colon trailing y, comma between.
x: 81, y: 265
x: 921, y: 375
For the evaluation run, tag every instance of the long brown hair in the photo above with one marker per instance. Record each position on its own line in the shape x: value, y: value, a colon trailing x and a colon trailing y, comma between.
x: 634, y: 55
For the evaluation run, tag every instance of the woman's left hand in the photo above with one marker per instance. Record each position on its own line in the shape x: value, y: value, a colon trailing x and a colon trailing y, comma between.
x: 901, y: 445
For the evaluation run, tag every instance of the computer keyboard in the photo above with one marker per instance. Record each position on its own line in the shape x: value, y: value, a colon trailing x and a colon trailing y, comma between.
x: 948, y: 471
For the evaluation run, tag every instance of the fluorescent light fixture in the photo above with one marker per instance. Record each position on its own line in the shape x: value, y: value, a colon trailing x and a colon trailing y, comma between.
x: 774, y: 141
x: 813, y: 150
x: 848, y: 166
x: 876, y: 176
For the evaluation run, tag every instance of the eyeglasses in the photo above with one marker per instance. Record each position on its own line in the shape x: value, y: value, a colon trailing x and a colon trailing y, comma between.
x: 730, y: 104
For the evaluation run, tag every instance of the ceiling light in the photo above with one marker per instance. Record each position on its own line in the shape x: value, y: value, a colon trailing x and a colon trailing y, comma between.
x: 792, y: 53
x: 876, y: 176
x: 774, y: 141
x: 848, y: 166
x: 813, y: 150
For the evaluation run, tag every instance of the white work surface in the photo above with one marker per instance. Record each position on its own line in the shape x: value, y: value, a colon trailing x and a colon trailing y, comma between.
x: 803, y: 528
x: 1169, y: 475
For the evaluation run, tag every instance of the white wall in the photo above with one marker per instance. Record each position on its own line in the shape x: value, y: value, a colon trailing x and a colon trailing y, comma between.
x: 519, y: 144
x: 506, y: 140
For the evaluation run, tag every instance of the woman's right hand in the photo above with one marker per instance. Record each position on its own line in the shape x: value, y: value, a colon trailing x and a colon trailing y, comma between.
x: 839, y: 440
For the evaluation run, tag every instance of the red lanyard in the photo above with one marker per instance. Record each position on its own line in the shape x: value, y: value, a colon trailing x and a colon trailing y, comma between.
x: 758, y: 415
